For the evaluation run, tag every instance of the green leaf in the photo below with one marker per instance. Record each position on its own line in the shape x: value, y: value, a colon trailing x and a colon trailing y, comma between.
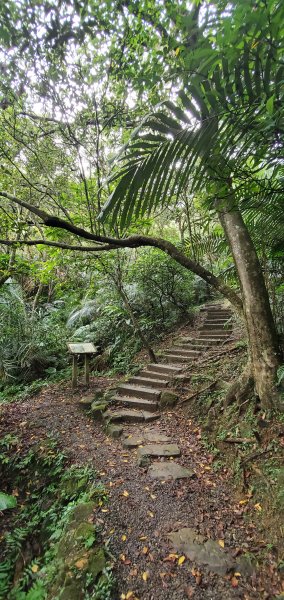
x: 270, y: 105
x: 7, y: 501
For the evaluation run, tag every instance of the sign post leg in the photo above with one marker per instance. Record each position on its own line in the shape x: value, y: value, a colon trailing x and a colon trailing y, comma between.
x: 74, y: 371
x: 87, y: 369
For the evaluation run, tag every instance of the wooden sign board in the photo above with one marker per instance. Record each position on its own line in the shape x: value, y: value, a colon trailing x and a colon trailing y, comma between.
x: 83, y: 348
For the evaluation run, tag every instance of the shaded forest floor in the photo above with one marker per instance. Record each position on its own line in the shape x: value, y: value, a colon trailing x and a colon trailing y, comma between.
x: 221, y: 501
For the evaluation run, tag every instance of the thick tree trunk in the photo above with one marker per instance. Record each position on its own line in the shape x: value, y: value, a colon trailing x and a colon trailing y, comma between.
x: 263, y: 346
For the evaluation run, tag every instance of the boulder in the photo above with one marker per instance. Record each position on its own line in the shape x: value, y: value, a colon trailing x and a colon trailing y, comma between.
x: 98, y: 409
x: 114, y: 431
x: 168, y: 399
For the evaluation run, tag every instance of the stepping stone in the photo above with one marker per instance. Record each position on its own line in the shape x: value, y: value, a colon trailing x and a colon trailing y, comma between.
x: 169, y: 470
x: 156, y: 437
x: 130, y: 416
x: 132, y: 442
x: 203, y: 551
x: 114, y: 431
x: 159, y: 450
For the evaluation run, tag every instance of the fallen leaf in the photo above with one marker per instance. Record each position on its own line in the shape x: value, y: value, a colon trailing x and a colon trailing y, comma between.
x: 153, y: 496
x: 181, y: 560
x: 171, y: 558
x: 105, y: 510
x: 234, y: 582
x: 221, y: 543
x: 80, y: 564
x: 35, y: 568
x: 143, y: 537
x: 258, y: 507
x: 125, y: 493
x: 189, y: 591
x: 124, y: 537
x: 145, y: 575
x: 242, y: 502
x: 150, y: 514
x: 145, y: 550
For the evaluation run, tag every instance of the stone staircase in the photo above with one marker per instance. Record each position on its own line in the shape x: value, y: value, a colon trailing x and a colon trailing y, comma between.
x: 139, y: 399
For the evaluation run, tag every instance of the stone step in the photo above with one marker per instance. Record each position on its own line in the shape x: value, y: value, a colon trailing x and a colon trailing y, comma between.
x: 148, y: 381
x: 165, y: 369
x: 175, y: 358
x: 132, y: 441
x: 213, y: 334
x: 154, y: 375
x: 191, y: 346
x: 221, y: 320
x: 184, y: 352
x: 169, y: 470
x: 159, y: 450
x: 130, y: 416
x: 215, y: 326
x: 196, y: 342
x: 135, y: 391
x: 139, y: 403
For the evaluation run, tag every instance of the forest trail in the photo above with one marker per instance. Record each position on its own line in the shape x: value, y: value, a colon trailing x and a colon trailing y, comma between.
x: 172, y: 535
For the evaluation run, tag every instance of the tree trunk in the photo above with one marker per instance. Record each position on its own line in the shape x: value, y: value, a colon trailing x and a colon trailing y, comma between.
x: 263, y: 345
x: 136, y: 325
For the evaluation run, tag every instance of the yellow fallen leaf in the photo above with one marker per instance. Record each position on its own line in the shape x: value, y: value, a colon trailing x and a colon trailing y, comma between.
x: 181, y: 560
x: 153, y: 496
x: 207, y: 468
x: 105, y: 510
x: 122, y: 557
x: 221, y: 543
x: 35, y: 568
x: 145, y: 550
x: 147, y: 488
x: 258, y: 507
x: 124, y: 537
x: 143, y: 537
x: 241, y: 502
x: 237, y: 574
x: 125, y: 493
x: 111, y: 531
x: 145, y: 575
x: 129, y: 595
x: 150, y: 514
x: 80, y: 564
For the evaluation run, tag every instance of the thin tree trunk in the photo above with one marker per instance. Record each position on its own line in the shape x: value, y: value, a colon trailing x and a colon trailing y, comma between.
x: 136, y: 325
x: 264, y: 351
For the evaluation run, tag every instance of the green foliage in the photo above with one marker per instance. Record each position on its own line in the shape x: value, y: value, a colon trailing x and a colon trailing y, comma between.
x: 7, y: 501
x: 47, y: 499
x: 32, y: 341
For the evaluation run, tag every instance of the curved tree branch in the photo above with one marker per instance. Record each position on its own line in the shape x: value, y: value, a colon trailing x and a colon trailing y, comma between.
x: 107, y: 243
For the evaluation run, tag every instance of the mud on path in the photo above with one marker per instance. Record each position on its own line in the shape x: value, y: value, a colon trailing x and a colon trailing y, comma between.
x: 141, y: 512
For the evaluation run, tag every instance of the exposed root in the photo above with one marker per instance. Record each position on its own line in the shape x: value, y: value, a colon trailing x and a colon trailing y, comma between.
x: 241, y: 388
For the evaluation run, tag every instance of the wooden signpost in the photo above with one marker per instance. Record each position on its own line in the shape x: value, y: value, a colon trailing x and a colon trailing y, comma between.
x: 85, y: 349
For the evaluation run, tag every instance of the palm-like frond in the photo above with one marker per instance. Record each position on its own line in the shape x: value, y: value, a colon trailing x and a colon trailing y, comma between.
x: 210, y: 135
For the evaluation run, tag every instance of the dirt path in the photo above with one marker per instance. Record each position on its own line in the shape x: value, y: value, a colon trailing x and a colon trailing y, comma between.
x: 141, y: 512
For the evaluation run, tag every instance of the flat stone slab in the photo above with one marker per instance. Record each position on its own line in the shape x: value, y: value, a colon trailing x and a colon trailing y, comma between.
x: 130, y: 416
x: 159, y: 450
x: 156, y: 437
x: 169, y: 470
x: 203, y: 551
x: 132, y: 442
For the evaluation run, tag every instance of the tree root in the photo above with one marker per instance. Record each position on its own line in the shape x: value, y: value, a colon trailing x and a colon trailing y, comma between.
x: 241, y: 388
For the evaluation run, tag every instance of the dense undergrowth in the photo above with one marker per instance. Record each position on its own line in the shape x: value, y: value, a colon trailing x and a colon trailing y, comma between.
x: 49, y: 494
x: 247, y: 441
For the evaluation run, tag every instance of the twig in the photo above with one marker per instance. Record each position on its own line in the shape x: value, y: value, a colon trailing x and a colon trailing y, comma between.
x: 208, y: 387
x: 239, y: 440
x: 254, y: 455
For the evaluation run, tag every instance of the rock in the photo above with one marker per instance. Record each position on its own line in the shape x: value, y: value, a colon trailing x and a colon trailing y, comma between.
x: 96, y: 563
x: 114, y: 431
x: 98, y: 409
x: 132, y: 442
x: 169, y: 470
x: 87, y: 401
x: 168, y: 399
x: 203, y: 551
x: 143, y: 461
x: 159, y: 450
x: 156, y: 437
